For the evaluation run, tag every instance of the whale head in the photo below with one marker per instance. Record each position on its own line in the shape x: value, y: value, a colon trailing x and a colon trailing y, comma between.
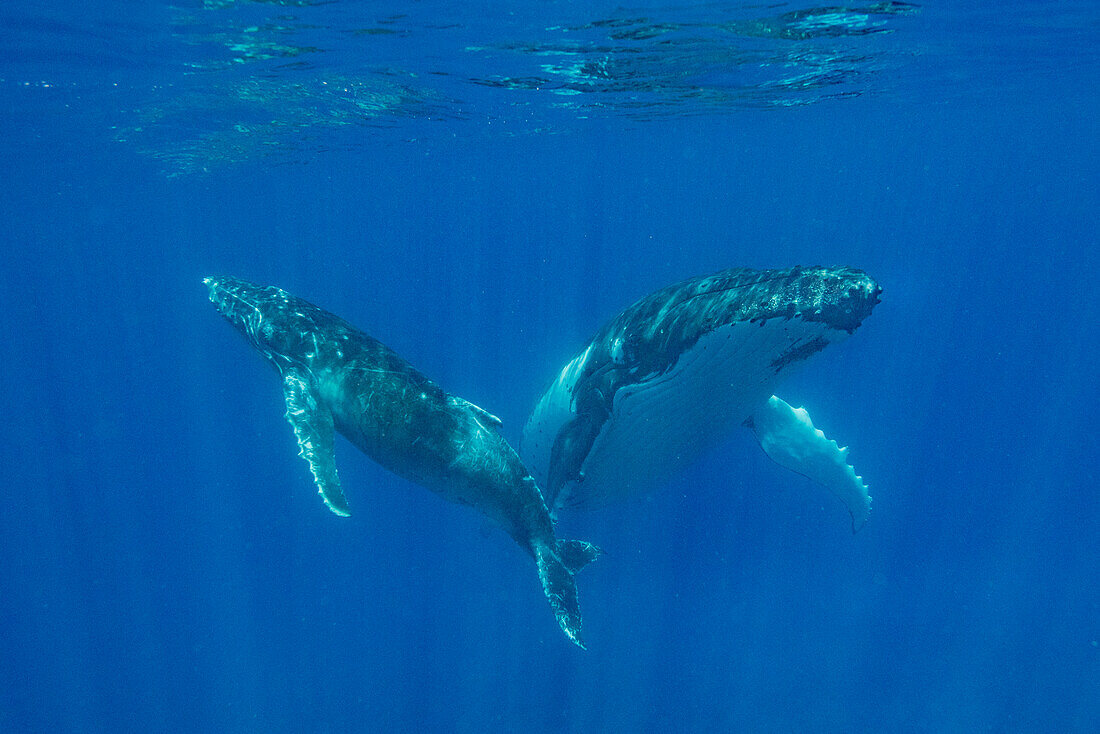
x: 265, y: 315
x: 243, y: 304
x: 839, y: 297
x: 842, y: 297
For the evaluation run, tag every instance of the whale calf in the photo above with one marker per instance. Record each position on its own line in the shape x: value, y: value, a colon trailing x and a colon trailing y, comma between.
x: 673, y: 374
x: 338, y: 379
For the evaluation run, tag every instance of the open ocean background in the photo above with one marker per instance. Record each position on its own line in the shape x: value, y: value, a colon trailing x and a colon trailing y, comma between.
x: 480, y: 186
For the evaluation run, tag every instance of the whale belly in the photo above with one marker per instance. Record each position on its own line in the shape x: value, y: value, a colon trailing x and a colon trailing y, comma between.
x: 660, y: 424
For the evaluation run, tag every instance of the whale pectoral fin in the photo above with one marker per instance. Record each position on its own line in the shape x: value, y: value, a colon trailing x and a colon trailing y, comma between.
x: 789, y: 438
x: 314, y: 429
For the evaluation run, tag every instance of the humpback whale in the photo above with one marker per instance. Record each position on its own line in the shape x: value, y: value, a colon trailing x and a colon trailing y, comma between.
x: 672, y: 375
x: 338, y: 379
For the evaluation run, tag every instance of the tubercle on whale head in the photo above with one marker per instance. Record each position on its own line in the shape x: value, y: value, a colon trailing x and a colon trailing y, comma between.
x: 847, y: 298
x: 224, y: 291
x: 252, y: 309
x: 235, y: 300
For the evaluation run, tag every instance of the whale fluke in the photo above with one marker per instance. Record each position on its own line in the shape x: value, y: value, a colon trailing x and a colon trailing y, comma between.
x: 576, y: 554
x: 556, y: 570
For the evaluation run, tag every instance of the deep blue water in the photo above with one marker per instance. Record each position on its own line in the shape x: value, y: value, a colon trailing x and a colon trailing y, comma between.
x: 481, y: 186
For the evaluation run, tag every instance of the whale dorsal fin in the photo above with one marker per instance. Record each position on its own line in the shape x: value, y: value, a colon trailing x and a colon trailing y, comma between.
x: 486, y: 418
x: 313, y: 426
x: 789, y: 438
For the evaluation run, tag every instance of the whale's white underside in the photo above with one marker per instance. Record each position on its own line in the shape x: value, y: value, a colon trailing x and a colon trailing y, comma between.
x: 661, y: 423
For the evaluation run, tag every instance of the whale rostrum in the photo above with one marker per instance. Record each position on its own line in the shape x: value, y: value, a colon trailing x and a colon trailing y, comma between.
x: 336, y: 379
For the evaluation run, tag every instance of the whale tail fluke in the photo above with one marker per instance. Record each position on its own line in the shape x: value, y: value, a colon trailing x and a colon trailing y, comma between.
x: 576, y: 554
x: 557, y: 565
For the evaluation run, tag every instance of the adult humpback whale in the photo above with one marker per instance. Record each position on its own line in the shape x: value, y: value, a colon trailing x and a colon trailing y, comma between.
x: 336, y: 378
x: 671, y: 375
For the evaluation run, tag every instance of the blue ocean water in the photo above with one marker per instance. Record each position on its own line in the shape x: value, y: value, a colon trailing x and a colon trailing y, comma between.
x: 480, y: 186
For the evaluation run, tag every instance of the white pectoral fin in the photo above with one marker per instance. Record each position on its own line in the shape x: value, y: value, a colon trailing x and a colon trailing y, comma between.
x: 313, y: 426
x: 789, y: 438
